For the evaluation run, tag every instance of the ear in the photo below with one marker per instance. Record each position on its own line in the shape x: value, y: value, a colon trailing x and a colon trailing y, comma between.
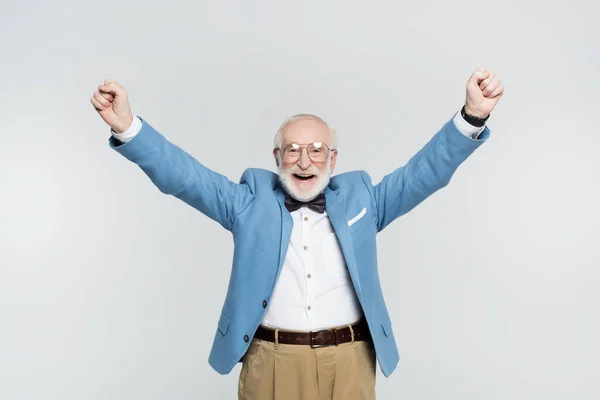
x: 276, y: 158
x: 333, y: 160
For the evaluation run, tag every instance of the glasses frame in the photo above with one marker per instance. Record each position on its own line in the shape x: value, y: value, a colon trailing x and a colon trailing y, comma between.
x: 305, y: 146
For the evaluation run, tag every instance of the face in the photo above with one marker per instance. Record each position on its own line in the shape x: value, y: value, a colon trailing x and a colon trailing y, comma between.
x: 303, y: 178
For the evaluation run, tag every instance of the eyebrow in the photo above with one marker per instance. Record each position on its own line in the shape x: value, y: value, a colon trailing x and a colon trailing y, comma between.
x: 304, y: 144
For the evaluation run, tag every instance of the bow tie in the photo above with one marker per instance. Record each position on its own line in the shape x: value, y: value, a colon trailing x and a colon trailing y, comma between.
x: 317, y: 204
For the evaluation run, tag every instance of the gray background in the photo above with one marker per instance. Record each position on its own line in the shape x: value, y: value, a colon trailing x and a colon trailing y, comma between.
x: 111, y: 290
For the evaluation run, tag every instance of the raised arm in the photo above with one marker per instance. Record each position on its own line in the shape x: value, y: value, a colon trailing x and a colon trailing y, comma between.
x: 432, y: 167
x: 170, y: 168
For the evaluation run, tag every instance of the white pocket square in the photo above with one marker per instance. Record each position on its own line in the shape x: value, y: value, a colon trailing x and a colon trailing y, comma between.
x: 359, y: 216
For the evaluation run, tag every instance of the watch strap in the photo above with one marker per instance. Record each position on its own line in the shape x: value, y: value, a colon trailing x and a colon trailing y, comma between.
x: 471, y: 119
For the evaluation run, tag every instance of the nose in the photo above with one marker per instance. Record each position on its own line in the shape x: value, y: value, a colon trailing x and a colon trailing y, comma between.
x: 304, y: 162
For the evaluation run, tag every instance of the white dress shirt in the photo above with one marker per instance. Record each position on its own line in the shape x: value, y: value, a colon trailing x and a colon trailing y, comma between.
x: 314, y: 290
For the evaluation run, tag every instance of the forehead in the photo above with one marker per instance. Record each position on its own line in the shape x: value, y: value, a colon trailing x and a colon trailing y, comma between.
x: 306, y: 130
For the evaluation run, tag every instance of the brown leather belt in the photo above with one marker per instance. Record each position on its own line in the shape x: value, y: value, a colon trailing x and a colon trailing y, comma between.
x: 327, y: 337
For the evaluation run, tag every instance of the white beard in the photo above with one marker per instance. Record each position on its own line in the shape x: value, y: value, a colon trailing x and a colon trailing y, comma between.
x: 288, y: 181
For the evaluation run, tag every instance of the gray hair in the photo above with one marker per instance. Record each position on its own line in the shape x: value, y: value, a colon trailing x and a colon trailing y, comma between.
x: 297, y: 117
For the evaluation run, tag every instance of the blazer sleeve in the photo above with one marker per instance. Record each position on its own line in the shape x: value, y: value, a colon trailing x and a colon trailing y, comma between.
x: 429, y: 170
x: 175, y: 172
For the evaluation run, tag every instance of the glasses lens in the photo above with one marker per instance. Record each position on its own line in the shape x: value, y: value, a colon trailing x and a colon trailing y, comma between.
x: 317, y: 152
x: 291, y: 152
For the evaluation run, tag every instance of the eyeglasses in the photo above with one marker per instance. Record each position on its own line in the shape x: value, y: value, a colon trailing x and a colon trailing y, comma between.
x: 316, y: 151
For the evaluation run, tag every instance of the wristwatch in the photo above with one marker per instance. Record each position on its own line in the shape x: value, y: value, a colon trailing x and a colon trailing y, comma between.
x: 475, y: 121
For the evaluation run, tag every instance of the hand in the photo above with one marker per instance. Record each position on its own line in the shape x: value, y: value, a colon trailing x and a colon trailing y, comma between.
x: 111, y: 102
x: 484, y: 89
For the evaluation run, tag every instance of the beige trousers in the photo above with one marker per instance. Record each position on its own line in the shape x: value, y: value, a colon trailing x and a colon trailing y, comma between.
x: 298, y: 372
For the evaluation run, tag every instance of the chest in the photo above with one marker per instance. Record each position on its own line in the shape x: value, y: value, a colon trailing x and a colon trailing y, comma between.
x: 313, y: 238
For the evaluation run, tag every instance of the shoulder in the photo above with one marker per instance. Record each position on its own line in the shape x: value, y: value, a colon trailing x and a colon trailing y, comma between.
x: 352, y: 183
x: 355, y: 187
x: 350, y: 178
x: 258, y: 177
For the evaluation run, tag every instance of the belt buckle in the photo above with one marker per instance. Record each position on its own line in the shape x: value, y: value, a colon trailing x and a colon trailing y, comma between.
x: 311, y: 338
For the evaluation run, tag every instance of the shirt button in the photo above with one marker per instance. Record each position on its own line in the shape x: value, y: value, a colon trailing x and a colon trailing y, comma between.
x: 309, y: 308
x: 306, y: 218
x: 305, y: 247
x: 246, y: 338
x: 264, y: 304
x: 308, y: 276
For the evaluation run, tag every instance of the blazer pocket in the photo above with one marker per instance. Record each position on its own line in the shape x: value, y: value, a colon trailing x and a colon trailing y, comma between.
x: 357, y: 217
x: 387, y: 327
x: 223, y: 324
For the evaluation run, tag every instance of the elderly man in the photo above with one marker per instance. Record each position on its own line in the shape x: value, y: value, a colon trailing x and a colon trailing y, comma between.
x: 304, y: 310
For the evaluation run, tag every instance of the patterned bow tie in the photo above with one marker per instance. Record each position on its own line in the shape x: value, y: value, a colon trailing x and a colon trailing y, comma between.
x: 317, y: 204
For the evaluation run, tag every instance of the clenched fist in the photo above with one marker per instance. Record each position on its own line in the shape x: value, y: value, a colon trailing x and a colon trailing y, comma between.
x: 484, y: 89
x: 111, y: 102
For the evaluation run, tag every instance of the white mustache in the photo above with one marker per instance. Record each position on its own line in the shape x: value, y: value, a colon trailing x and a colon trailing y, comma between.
x: 312, y: 170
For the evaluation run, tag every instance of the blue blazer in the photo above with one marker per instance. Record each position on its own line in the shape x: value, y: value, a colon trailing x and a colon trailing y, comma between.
x: 253, y: 211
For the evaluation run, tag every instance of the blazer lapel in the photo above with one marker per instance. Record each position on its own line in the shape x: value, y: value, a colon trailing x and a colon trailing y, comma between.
x: 287, y: 223
x: 335, y: 207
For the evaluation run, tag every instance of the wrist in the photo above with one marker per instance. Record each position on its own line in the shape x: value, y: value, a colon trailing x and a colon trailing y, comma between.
x: 475, y: 113
x: 123, y: 126
x: 472, y: 117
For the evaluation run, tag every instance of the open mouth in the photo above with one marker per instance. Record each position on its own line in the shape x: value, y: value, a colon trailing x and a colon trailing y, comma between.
x: 304, y: 177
